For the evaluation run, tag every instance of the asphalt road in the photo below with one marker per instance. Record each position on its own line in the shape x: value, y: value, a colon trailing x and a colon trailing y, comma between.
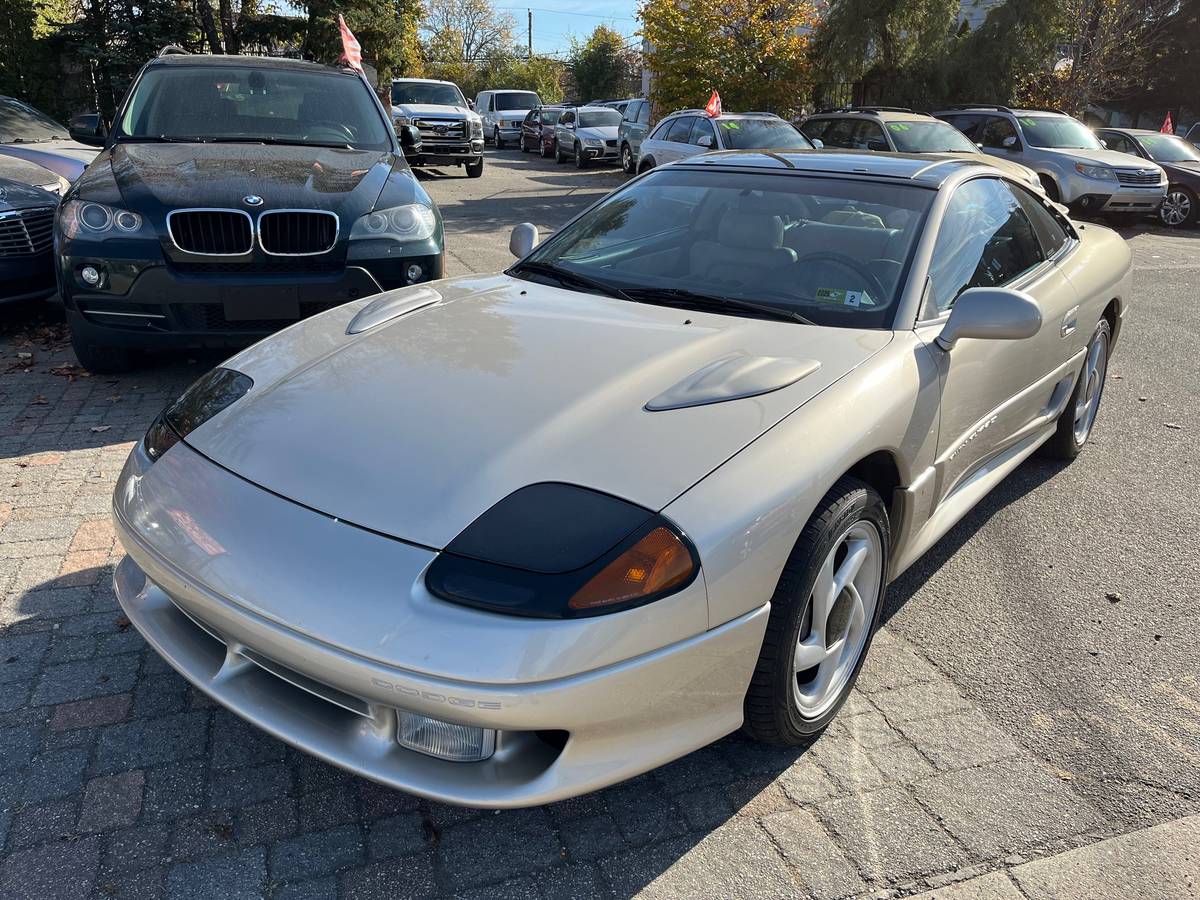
x: 1018, y: 604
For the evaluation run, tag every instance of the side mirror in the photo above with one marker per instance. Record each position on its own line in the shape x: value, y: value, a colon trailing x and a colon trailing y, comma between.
x: 878, y: 146
x: 817, y: 142
x: 1011, y: 143
x: 997, y: 314
x: 87, y: 128
x: 1103, y: 143
x: 471, y: 104
x: 523, y: 239
x: 706, y: 141
x: 979, y: 145
x: 410, y: 136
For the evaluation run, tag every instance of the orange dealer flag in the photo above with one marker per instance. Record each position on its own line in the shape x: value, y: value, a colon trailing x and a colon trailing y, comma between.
x: 1167, y: 127
x: 713, y: 109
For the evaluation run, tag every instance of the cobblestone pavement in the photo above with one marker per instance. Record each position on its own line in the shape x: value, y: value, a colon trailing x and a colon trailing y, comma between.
x: 120, y: 781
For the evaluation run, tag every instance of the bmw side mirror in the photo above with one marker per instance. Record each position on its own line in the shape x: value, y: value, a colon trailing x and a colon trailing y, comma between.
x: 410, y: 136
x: 87, y: 128
x: 523, y: 239
x: 996, y: 314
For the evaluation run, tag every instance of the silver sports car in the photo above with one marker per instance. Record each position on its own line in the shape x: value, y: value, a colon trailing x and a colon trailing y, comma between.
x: 502, y: 539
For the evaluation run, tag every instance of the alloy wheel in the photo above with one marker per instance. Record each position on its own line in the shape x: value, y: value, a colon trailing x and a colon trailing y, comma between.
x: 627, y: 159
x: 1088, y: 402
x: 1176, y: 208
x: 838, y: 621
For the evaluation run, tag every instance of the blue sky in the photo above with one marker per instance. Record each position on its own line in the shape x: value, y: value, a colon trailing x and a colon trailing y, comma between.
x: 555, y: 21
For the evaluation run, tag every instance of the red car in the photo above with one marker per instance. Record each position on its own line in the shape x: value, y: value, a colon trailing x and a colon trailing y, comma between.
x: 537, y: 130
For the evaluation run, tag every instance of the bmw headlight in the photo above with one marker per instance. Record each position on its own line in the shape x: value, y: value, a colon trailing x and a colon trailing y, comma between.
x: 204, y: 399
x: 1103, y: 173
x: 410, y: 222
x: 476, y: 127
x: 88, y: 219
x: 559, y: 551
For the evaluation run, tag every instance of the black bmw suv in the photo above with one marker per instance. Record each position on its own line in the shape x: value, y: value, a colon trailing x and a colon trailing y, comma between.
x: 234, y: 195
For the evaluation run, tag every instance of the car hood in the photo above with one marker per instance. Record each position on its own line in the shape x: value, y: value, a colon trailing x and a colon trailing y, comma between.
x: 1188, y: 170
x: 62, y: 157
x: 598, y: 132
x: 26, y: 172
x: 1112, y: 158
x: 429, y: 109
x: 416, y: 426
x: 174, y: 176
x: 18, y: 195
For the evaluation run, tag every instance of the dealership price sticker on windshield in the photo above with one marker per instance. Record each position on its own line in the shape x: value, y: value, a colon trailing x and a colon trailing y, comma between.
x: 842, y: 297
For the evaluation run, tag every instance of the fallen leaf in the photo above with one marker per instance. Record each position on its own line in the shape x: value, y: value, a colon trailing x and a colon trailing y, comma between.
x: 99, y: 428
x: 1114, y: 597
x: 1173, y: 425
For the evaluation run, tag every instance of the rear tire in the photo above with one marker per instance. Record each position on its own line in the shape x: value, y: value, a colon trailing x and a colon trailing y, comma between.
x: 790, y: 705
x: 102, y: 360
x: 1077, y: 420
x: 475, y: 169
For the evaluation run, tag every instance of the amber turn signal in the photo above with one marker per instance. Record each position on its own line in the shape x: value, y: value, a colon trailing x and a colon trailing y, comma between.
x: 658, y: 562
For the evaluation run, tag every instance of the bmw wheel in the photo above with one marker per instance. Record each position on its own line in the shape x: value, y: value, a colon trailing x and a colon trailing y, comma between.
x: 824, y: 613
x: 496, y: 139
x: 1179, y: 208
x: 1077, y: 420
x: 626, y: 159
x: 581, y: 161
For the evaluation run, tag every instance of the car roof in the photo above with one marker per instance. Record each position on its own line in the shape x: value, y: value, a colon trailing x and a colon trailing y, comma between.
x: 424, y: 81
x: 258, y: 62
x: 725, y: 115
x: 589, y: 108
x: 1129, y: 130
x: 919, y: 170
x: 882, y: 114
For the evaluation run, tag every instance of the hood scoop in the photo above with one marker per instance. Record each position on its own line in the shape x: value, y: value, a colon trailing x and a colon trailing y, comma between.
x: 390, y: 306
x: 733, y: 378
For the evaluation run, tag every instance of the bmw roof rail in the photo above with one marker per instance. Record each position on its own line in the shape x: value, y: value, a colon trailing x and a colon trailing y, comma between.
x: 173, y: 50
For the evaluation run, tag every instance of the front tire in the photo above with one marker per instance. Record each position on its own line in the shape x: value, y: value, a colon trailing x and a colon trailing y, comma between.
x: 475, y: 169
x: 558, y: 154
x: 101, y: 360
x: 581, y: 161
x: 524, y: 147
x: 1051, y: 188
x: 1075, y: 423
x: 1179, y: 208
x: 543, y: 150
x: 824, y: 613
x: 497, y: 140
x: 627, y: 165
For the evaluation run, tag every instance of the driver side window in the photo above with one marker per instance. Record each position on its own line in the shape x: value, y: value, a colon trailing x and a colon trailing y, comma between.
x: 985, y: 240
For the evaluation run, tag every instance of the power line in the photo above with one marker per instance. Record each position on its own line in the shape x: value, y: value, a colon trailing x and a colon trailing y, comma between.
x: 561, y: 12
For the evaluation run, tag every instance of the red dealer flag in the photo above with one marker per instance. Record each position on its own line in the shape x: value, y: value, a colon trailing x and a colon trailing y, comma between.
x: 351, y: 48
x: 714, y: 106
x: 1168, y: 126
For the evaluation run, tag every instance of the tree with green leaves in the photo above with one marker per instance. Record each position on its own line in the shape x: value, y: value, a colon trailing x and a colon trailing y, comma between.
x: 755, y: 52
x: 602, y: 66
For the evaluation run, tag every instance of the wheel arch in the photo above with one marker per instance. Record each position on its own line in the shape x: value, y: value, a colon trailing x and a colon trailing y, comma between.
x: 1112, y: 312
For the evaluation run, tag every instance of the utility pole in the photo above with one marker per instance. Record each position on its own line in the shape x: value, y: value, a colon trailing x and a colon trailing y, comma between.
x: 529, y: 33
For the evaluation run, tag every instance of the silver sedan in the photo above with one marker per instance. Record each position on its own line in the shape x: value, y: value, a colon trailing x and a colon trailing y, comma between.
x: 503, y: 539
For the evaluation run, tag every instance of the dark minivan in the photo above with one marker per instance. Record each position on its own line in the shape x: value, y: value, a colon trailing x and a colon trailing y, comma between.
x: 233, y: 196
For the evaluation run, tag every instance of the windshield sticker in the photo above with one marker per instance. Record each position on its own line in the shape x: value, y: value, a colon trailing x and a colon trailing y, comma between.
x: 841, y: 296
x: 899, y: 126
x: 731, y: 126
x: 1028, y: 122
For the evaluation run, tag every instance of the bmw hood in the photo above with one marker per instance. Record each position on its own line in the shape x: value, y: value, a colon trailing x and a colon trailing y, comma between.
x: 417, y: 425
x: 174, y: 176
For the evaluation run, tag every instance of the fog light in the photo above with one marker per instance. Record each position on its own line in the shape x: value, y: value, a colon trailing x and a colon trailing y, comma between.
x: 445, y: 740
x: 414, y: 272
x: 90, y: 275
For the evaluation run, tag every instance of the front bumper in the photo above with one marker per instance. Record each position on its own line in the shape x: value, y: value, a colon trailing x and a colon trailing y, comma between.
x: 447, y: 154
x: 1134, y: 200
x: 577, y: 731
x: 608, y: 153
x: 26, y: 277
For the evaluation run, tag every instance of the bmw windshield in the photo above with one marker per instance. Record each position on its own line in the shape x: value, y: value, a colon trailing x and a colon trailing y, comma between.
x: 254, y: 104
x: 788, y: 247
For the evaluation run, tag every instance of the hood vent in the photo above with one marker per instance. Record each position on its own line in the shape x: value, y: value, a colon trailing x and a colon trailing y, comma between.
x: 390, y: 306
x: 733, y: 378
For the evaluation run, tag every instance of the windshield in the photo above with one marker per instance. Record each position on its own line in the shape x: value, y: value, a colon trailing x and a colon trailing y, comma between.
x: 516, y: 100
x: 425, y: 92
x: 761, y: 134
x: 1058, y: 133
x: 833, y: 251
x: 599, y: 118
x: 245, y: 103
x: 1168, y: 148
x: 929, y: 137
x: 21, y: 124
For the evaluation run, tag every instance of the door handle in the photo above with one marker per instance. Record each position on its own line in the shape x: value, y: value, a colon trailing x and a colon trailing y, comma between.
x: 1070, y: 322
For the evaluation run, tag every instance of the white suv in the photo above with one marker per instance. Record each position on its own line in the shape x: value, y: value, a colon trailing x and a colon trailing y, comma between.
x: 690, y: 131
x: 1073, y: 165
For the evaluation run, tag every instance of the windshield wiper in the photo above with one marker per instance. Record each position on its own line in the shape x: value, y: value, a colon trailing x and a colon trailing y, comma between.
x: 287, y: 142
x: 158, y: 139
x: 686, y: 298
x: 566, y: 276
